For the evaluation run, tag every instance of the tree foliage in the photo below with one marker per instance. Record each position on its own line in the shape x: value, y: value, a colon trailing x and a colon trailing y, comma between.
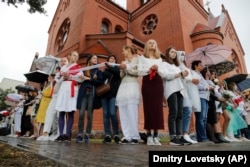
x: 35, y: 5
x: 3, y: 94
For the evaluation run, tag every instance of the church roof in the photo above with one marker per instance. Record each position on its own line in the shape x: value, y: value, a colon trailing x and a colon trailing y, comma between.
x: 97, y: 48
x: 201, y: 27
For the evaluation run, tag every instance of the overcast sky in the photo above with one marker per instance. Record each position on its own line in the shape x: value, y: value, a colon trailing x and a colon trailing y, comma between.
x: 22, y: 34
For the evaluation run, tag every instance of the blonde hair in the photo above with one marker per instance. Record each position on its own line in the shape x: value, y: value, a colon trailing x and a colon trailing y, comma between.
x: 75, y: 53
x: 157, y: 53
x: 131, y: 48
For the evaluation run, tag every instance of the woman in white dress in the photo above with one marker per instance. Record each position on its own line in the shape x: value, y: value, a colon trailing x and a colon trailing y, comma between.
x: 128, y: 97
x: 67, y: 95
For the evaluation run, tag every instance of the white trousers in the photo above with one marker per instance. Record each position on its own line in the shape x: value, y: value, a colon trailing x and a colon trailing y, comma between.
x: 129, y: 121
x: 51, y: 115
x: 18, y: 120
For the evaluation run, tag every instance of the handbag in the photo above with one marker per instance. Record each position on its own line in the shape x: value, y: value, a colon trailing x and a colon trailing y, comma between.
x: 104, y: 88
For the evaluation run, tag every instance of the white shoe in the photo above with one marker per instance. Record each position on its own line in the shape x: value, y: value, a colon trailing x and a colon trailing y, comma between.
x: 53, y: 137
x: 237, y: 140
x: 10, y: 135
x: 150, y: 141
x: 157, y: 141
x: 234, y: 139
x: 228, y: 139
x: 31, y: 137
x: 15, y: 136
x: 43, y: 138
x: 244, y: 139
x: 187, y: 138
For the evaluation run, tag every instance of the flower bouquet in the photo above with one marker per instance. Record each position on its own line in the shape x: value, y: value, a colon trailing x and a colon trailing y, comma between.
x: 226, y: 96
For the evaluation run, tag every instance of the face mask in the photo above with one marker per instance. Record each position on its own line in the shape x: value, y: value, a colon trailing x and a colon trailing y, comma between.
x: 235, y: 87
x: 182, y: 58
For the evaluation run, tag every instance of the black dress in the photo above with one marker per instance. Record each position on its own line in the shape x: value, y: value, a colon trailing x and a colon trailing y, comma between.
x: 152, y: 96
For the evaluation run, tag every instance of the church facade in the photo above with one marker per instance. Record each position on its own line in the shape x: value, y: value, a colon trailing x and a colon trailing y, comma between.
x: 102, y: 27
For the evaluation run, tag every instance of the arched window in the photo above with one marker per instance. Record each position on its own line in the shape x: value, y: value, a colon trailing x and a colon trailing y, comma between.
x: 62, y: 35
x: 118, y: 29
x: 105, y: 27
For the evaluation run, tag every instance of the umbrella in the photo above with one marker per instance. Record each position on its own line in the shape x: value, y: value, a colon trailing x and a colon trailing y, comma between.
x: 236, y: 78
x: 24, y: 88
x: 209, y: 55
x: 244, y: 85
x: 10, y: 103
x: 37, y: 76
x: 222, y: 68
x: 47, y: 64
x: 14, y: 97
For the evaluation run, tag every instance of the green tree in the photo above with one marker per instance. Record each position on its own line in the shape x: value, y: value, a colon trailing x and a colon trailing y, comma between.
x: 3, y: 94
x: 35, y: 5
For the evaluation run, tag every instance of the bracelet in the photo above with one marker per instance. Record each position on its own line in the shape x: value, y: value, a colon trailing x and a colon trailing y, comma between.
x: 181, y: 74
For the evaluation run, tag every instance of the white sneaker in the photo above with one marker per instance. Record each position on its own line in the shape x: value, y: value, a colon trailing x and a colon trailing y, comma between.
x: 234, y: 139
x: 31, y: 137
x: 244, y: 139
x: 237, y: 140
x: 43, y: 138
x: 150, y: 141
x: 10, y: 135
x: 53, y: 137
x: 187, y: 137
x: 228, y: 139
x: 157, y: 141
x: 15, y: 136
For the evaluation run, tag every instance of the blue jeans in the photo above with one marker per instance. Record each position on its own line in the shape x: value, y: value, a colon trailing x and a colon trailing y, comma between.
x: 175, y: 105
x: 87, y: 104
x: 109, y: 113
x: 187, y: 111
x: 201, y: 121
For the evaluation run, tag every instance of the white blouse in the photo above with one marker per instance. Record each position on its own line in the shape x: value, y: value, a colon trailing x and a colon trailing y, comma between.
x: 144, y: 65
x: 170, y: 83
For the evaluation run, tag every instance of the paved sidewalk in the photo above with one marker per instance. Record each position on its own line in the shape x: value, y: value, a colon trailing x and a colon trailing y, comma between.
x: 73, y: 154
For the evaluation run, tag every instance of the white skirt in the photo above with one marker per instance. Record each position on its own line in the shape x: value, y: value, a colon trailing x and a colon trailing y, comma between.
x: 193, y: 94
x: 218, y: 109
x: 128, y: 93
x: 64, y: 101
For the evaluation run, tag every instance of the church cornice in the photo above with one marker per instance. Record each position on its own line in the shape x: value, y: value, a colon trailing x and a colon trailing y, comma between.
x: 113, y: 7
x: 199, y: 8
x: 230, y: 31
x: 143, y: 9
x: 207, y: 31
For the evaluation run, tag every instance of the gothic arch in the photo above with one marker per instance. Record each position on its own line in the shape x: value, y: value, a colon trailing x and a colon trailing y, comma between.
x: 118, y: 29
x: 105, y: 26
x: 62, y: 35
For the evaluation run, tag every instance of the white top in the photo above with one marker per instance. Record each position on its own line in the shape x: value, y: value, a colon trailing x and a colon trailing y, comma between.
x: 144, y: 65
x: 170, y: 83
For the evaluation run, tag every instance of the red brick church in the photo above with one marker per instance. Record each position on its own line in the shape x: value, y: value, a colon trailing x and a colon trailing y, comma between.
x: 102, y: 27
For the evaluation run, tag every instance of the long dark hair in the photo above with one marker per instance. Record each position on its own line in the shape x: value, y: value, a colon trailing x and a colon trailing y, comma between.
x: 174, y: 61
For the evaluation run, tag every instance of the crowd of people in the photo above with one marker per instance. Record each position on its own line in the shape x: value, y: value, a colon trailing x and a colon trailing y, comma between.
x: 49, y: 113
